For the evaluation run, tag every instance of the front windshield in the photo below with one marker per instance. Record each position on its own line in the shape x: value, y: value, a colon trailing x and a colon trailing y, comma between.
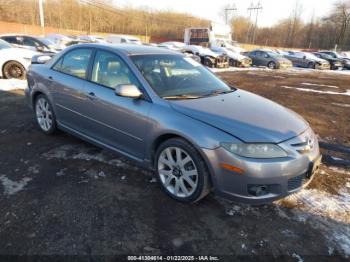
x: 273, y: 54
x: 311, y: 56
x: 46, y: 41
x: 4, y: 44
x: 174, y: 77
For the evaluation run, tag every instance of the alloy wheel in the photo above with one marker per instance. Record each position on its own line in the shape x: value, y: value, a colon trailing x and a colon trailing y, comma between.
x: 43, y: 114
x: 178, y: 172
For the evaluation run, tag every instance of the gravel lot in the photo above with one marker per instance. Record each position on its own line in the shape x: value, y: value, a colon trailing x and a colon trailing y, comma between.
x: 62, y: 196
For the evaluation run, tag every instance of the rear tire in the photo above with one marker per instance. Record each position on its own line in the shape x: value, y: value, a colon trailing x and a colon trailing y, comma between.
x: 45, y: 116
x: 181, y: 171
x: 311, y: 65
x: 233, y: 63
x: 13, y: 69
x: 272, y: 65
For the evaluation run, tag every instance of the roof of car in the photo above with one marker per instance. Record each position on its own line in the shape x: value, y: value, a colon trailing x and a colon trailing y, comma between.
x: 132, y: 49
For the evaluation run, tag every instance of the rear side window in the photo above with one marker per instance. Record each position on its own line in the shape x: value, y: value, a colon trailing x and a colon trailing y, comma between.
x: 110, y: 71
x: 11, y: 39
x: 30, y: 42
x: 75, y: 63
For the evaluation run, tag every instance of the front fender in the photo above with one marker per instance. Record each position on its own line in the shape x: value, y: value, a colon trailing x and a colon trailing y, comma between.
x: 167, y: 121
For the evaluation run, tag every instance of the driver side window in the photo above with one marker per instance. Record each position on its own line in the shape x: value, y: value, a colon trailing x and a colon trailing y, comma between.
x: 110, y: 71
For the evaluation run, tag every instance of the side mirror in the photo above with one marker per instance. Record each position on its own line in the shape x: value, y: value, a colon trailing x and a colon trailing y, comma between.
x: 40, y: 48
x: 40, y: 59
x: 130, y: 91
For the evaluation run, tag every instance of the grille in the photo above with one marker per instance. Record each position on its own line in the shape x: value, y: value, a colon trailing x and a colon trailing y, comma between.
x: 295, y: 182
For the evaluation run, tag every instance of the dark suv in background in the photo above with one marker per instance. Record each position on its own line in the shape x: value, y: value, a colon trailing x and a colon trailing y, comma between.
x: 333, y: 54
x: 335, y: 63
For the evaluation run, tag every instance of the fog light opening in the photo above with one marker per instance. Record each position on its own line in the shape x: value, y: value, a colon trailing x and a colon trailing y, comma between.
x: 258, y: 190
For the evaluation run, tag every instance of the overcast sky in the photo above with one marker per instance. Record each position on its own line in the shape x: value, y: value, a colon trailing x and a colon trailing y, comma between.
x: 273, y: 10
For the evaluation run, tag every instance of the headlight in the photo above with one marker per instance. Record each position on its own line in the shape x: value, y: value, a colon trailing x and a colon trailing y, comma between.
x: 255, y: 150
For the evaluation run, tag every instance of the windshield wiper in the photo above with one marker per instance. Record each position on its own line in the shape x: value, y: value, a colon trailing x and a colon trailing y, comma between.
x: 218, y: 92
x: 180, y: 97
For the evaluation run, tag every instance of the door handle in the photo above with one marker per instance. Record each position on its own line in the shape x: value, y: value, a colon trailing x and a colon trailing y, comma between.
x: 91, y: 95
x: 50, y: 78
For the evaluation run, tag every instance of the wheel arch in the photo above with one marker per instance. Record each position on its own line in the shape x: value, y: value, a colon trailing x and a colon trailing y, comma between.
x: 169, y: 135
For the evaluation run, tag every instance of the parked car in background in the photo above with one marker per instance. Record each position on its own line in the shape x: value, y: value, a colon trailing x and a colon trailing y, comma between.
x: 30, y: 42
x: 14, y: 62
x: 177, y: 118
x: 123, y: 39
x: 208, y: 57
x: 180, y: 47
x: 268, y: 58
x: 235, y: 59
x: 345, y: 60
x: 307, y: 60
x: 173, y: 44
x: 92, y: 38
x: 76, y: 42
x: 59, y: 40
x: 335, y: 63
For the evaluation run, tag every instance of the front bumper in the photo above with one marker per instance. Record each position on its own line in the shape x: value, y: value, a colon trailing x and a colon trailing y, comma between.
x: 281, y: 177
x: 285, y: 65
x: 323, y: 66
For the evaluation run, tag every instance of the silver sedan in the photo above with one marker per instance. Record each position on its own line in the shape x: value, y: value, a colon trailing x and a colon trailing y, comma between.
x: 172, y: 115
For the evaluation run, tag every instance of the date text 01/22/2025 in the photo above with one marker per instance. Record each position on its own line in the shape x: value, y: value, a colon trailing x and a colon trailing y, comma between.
x: 173, y: 258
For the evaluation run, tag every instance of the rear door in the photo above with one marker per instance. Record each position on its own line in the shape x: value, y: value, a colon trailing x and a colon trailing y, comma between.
x: 259, y: 58
x: 119, y: 122
x: 67, y: 80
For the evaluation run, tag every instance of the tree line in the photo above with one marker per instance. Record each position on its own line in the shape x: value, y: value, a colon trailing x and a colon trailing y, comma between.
x: 330, y: 31
x: 100, y: 16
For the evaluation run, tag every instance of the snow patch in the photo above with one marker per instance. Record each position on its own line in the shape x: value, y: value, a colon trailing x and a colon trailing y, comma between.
x: 12, y: 84
x: 326, y: 212
x: 341, y: 105
x: 320, y: 85
x: 12, y: 187
x: 82, y: 153
x: 347, y: 93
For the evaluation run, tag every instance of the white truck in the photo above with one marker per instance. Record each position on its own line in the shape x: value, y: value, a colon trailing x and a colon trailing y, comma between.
x: 216, y: 35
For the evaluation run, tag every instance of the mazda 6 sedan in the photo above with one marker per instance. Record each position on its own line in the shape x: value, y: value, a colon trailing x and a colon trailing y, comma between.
x: 172, y: 115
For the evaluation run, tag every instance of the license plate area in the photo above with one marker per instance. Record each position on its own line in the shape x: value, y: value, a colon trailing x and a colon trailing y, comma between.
x: 313, y: 167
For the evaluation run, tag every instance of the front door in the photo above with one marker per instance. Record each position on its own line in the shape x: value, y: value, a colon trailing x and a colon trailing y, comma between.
x: 116, y: 121
x: 66, y: 81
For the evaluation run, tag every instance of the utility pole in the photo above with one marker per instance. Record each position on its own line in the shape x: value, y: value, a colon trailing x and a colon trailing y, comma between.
x: 251, y: 9
x: 41, y: 14
x: 228, y: 9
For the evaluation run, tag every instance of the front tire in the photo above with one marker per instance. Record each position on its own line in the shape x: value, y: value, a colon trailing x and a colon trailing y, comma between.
x: 13, y: 69
x: 181, y: 170
x: 45, y: 115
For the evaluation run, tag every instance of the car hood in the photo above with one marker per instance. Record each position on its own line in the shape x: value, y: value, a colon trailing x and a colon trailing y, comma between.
x: 21, y: 52
x: 317, y: 59
x: 235, y: 56
x: 247, y: 116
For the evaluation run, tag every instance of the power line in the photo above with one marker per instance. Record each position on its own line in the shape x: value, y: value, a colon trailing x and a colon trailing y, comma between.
x: 228, y: 9
x: 120, y: 12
